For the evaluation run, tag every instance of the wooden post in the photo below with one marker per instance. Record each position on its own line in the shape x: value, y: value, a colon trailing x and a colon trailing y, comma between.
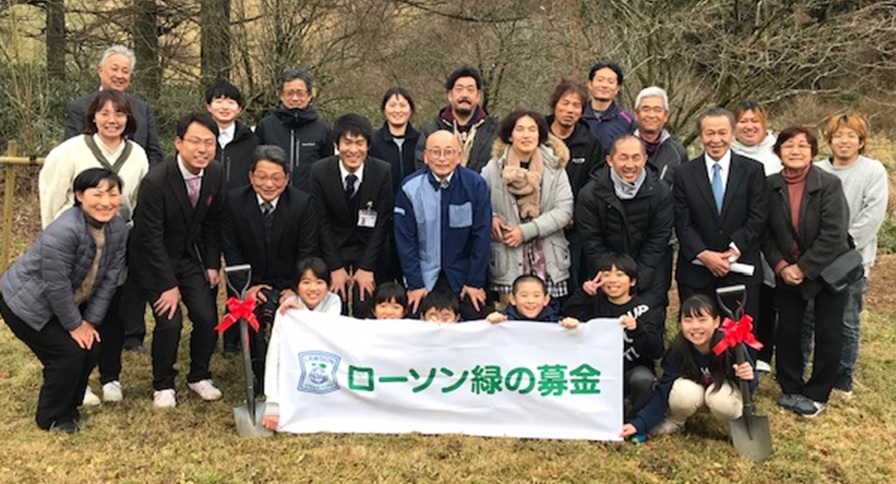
x: 8, y: 195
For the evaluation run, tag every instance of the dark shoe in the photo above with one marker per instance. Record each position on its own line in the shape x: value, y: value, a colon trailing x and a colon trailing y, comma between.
x: 789, y: 400
x: 231, y: 349
x: 844, y: 384
x: 138, y: 348
x: 806, y: 407
x: 69, y: 427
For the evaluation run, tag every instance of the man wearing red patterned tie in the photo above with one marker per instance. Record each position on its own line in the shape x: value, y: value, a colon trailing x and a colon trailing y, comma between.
x: 175, y: 254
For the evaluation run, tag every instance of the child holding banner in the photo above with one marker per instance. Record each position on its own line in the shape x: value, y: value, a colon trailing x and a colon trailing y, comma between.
x: 390, y: 301
x: 312, y: 294
x: 693, y: 375
x: 609, y: 295
x: 530, y: 301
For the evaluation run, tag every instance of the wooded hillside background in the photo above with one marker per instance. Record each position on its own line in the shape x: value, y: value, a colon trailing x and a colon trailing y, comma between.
x: 801, y: 58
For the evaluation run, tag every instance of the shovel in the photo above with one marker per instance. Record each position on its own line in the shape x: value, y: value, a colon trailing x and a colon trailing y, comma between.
x: 750, y: 433
x: 249, y: 414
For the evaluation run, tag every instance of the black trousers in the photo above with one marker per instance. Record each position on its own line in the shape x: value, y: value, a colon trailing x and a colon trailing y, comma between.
x: 113, y: 331
x: 828, y: 341
x: 638, y: 387
x: 199, y: 300
x: 767, y: 322
x: 66, y: 367
x: 132, y: 313
x: 466, y: 309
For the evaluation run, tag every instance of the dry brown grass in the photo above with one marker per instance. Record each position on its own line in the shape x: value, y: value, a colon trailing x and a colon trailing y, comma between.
x: 852, y: 441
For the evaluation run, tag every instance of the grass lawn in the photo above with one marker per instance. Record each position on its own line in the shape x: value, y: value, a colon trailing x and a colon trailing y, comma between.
x: 851, y: 441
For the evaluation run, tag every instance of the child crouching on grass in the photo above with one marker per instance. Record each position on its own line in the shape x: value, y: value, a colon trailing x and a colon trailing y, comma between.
x: 609, y: 295
x: 530, y: 301
x: 390, y: 301
x: 312, y: 294
x: 694, y: 376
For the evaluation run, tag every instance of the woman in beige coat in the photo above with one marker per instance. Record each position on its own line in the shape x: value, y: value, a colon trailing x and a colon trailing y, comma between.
x: 531, y: 202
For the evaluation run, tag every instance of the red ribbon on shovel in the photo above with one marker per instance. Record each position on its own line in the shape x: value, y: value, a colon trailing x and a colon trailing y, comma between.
x: 238, y: 309
x: 740, y: 331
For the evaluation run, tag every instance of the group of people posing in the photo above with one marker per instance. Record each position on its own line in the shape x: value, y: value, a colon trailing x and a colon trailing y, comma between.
x: 559, y: 218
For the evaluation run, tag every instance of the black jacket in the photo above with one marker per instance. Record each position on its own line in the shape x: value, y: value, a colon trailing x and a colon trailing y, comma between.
x: 700, y: 227
x: 147, y: 136
x: 302, y: 134
x: 480, y: 152
x: 293, y: 236
x: 236, y: 157
x: 640, y: 227
x: 168, y: 231
x: 644, y: 344
x: 669, y: 155
x: 584, y: 155
x: 342, y: 241
x: 823, y: 226
x: 384, y: 148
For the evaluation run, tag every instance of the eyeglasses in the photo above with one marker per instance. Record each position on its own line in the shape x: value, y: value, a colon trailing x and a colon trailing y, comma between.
x: 208, y: 143
x: 276, y: 179
x: 295, y: 93
x: 447, y: 153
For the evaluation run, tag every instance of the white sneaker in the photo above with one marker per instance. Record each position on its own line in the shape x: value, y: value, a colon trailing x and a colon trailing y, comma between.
x: 112, y: 391
x: 206, y: 390
x: 763, y: 366
x: 90, y: 398
x: 164, y: 398
x: 666, y: 427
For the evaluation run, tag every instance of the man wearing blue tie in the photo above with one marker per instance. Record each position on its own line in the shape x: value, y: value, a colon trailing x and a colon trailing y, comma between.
x: 720, y: 214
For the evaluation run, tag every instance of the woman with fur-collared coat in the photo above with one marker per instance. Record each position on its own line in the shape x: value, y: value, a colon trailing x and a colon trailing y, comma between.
x: 807, y: 231
x: 531, y: 203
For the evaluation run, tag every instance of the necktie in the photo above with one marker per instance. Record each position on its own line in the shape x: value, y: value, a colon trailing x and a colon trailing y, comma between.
x: 267, y: 219
x: 193, y: 192
x: 717, y: 191
x: 350, y: 185
x: 444, y: 184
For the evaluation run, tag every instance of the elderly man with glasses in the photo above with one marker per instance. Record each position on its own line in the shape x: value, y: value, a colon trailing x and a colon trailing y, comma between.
x: 442, y: 224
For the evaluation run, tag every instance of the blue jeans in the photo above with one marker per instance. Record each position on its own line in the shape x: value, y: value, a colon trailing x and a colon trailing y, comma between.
x: 851, y: 321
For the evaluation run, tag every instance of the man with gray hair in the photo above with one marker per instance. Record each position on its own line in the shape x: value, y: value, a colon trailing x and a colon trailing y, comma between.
x: 296, y: 127
x: 271, y: 226
x: 664, y: 152
x: 720, y: 213
x: 115, y: 69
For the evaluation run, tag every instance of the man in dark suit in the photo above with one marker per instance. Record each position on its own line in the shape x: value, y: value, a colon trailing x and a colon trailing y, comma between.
x: 352, y: 196
x: 115, y: 70
x: 175, y: 254
x: 720, y: 214
x: 271, y: 226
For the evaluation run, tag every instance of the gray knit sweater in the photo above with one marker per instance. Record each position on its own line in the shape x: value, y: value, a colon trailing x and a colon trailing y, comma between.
x: 865, y: 186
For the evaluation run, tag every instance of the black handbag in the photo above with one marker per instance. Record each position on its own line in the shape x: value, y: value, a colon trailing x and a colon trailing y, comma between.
x: 846, y: 269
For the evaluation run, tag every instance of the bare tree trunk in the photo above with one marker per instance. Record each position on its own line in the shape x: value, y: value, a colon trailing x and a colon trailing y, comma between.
x: 146, y: 47
x: 56, y: 40
x: 214, y: 19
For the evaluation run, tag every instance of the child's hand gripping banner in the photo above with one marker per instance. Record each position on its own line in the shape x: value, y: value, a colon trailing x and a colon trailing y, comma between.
x: 515, y: 379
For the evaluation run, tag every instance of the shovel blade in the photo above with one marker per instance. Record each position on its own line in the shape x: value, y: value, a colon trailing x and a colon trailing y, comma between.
x: 751, y: 437
x: 246, y: 426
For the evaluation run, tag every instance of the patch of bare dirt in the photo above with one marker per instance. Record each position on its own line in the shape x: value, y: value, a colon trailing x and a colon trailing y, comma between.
x: 881, y: 298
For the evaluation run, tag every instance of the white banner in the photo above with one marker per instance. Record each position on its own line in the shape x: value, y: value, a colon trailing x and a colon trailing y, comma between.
x: 516, y: 379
